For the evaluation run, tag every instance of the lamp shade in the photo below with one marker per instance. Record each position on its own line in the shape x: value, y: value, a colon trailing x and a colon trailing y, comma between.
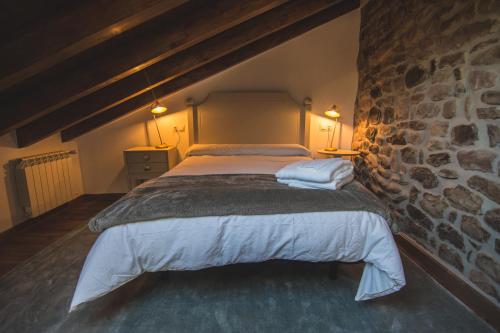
x: 332, y: 112
x: 157, y: 108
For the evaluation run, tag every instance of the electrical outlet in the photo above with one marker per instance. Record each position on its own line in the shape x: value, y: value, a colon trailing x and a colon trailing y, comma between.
x: 324, y: 128
x: 179, y: 129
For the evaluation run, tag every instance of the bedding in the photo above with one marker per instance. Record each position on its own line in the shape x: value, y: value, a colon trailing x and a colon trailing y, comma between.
x: 328, y: 174
x: 123, y: 252
x: 333, y: 185
x: 222, y: 195
x: 319, y: 171
x: 248, y: 149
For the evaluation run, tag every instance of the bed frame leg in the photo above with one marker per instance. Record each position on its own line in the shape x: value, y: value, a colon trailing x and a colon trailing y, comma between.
x: 333, y: 271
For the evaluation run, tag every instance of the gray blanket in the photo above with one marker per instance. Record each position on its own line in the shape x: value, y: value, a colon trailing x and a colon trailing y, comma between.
x: 221, y: 195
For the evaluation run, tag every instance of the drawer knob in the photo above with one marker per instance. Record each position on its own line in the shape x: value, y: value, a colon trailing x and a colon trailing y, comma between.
x: 146, y: 157
x: 147, y: 168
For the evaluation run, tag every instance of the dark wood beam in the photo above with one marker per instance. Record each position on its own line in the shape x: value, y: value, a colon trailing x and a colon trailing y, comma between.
x: 169, y: 69
x: 122, y: 56
x: 211, y: 68
x: 89, y: 23
x: 19, y: 16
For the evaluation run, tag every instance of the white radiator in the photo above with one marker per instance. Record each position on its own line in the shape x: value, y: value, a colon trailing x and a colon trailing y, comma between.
x: 46, y: 181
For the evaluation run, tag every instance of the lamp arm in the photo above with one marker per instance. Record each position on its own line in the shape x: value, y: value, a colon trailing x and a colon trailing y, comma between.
x: 333, y: 134
x: 158, y: 129
x: 328, y: 138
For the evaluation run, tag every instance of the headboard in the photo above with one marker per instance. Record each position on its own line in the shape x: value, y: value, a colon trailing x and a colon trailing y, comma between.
x: 249, y: 117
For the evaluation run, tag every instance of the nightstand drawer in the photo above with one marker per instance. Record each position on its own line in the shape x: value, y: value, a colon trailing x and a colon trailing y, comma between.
x: 146, y: 156
x: 144, y: 163
x: 143, y: 168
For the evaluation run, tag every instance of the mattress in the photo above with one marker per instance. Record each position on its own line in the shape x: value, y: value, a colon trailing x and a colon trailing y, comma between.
x: 124, y: 252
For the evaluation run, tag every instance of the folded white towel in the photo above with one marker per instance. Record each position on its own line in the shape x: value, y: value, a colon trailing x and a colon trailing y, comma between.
x: 321, y: 171
x: 333, y: 185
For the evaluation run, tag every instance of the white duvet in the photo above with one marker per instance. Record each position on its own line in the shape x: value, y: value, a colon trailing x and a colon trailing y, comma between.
x: 123, y: 252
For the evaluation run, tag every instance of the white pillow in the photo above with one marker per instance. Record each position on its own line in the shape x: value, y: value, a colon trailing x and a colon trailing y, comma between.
x: 248, y: 149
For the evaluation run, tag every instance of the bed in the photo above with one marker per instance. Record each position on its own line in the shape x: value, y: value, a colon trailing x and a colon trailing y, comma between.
x: 190, y: 234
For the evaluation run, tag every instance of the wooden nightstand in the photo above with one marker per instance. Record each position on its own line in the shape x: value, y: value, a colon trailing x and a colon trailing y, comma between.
x: 145, y: 163
x: 339, y: 153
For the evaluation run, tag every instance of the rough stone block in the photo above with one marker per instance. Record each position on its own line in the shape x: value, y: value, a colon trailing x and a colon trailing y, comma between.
x: 438, y: 159
x: 439, y: 128
x: 480, y: 46
x: 419, y: 217
x: 464, y: 135
x: 374, y: 149
x: 492, y: 218
x: 434, y: 145
x: 452, y: 216
x: 471, y: 226
x: 398, y: 139
x: 425, y: 176
x: 480, y: 280
x: 447, y: 233
x: 491, y: 97
x: 479, y: 159
x: 488, y: 57
x: 371, y: 133
x: 388, y: 117
x: 488, y: 113
x: 434, y: 205
x: 487, y: 187
x: 409, y: 155
x: 482, y: 79
x: 452, y: 60
x: 468, y: 32
x: 449, y: 109
x: 414, y: 137
x: 414, y: 192
x: 414, y: 76
x: 489, y: 266
x: 426, y: 110
x: 417, y: 98
x: 451, y: 256
x: 494, y: 135
x: 416, y: 230
x: 386, y: 150
x: 375, y: 92
x: 416, y: 125
x: 448, y: 174
x: 374, y: 116
x: 460, y: 89
x: 439, y: 92
x: 462, y: 198
x: 387, y: 130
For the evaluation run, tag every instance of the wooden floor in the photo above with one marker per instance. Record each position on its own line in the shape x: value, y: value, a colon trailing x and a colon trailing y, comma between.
x: 28, y: 238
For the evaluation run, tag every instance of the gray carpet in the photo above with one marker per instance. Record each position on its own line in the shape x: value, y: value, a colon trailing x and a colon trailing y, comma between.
x: 275, y: 296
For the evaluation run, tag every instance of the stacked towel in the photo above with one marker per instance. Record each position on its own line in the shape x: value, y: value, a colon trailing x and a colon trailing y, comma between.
x: 330, y: 174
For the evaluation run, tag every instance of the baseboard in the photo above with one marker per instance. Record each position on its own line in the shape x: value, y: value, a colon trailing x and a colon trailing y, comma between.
x: 102, y: 196
x: 471, y: 297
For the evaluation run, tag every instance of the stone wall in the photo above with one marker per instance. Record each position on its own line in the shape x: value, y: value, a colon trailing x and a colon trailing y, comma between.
x: 427, y: 122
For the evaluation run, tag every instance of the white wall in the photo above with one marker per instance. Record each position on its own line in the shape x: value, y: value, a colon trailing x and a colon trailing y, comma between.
x: 10, y: 211
x: 320, y: 64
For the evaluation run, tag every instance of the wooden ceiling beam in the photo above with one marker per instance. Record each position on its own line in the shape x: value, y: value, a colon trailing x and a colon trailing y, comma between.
x: 19, y: 16
x: 81, y: 27
x: 122, y: 56
x: 211, y: 68
x: 169, y: 69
